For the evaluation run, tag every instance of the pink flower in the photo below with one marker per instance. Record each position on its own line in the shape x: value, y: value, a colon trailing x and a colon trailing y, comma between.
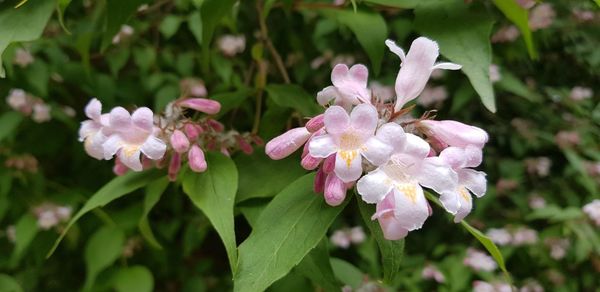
x: 133, y: 135
x: 179, y: 141
x: 524, y: 236
x: 459, y: 201
x: 316, y: 123
x: 495, y: 73
x: 287, y: 143
x: 432, y: 272
x: 536, y: 202
x: 18, y: 100
x: 340, y: 239
x: 204, y: 105
x: 357, y: 235
x: 41, y: 112
x: 335, y: 190
x: 506, y: 34
x: 124, y: 34
x: 579, y: 93
x: 499, y: 236
x: 196, y: 159
x: 558, y: 247
x: 482, y: 286
x: 566, y: 139
x: 349, y: 86
x: 432, y: 95
x: 416, y: 68
x: 93, y: 132
x: 231, y: 45
x: 479, y: 261
x: 192, y: 86
x: 454, y: 133
x: 350, y: 138
x: 23, y: 57
x: 541, y: 16
x: 583, y: 15
x: 592, y: 209
x: 174, y: 166
x: 539, y: 166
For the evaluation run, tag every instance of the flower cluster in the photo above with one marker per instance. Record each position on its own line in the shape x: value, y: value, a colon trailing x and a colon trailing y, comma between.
x: 517, y: 237
x: 359, y: 133
x: 344, y: 237
x: 140, y: 139
x: 479, y: 261
x: 49, y: 215
x: 28, y: 105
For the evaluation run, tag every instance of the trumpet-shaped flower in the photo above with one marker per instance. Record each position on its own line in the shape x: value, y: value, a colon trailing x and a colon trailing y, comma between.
x: 454, y: 133
x: 93, y: 132
x: 133, y: 135
x: 416, y: 68
x: 349, y: 86
x: 350, y: 137
x: 285, y: 144
x: 459, y: 201
x: 396, y: 186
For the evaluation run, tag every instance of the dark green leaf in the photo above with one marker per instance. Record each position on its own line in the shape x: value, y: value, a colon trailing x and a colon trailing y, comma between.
x: 293, y: 96
x: 9, y: 284
x: 195, y: 25
x: 25, y: 229
x: 169, y: 26
x: 231, y: 100
x: 153, y: 192
x: 520, y: 17
x: 22, y: 24
x: 464, y: 38
x: 104, y: 248
x: 316, y: 266
x: 347, y: 273
x: 395, y: 3
x: 213, y: 192
x: 9, y: 122
x: 61, y: 6
x: 289, y: 227
x: 211, y: 13
x: 118, y: 13
x: 113, y: 190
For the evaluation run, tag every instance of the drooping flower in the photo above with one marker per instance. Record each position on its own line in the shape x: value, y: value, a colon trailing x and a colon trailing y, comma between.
x: 134, y: 134
x: 351, y: 137
x: 396, y: 185
x: 349, y: 86
x: 416, y: 68
x: 204, y: 105
x: 93, y: 132
x: 459, y: 201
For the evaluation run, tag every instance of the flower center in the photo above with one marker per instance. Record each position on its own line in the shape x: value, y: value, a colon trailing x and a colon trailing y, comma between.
x: 350, y: 141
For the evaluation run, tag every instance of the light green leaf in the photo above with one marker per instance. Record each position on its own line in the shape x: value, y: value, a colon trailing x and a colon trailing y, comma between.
x: 289, y: 227
x: 153, y: 192
x: 61, y: 6
x: 211, y: 13
x: 169, y: 26
x: 464, y: 38
x: 116, y: 188
x: 9, y: 284
x: 392, y: 251
x: 25, y: 230
x: 258, y: 168
x: 395, y: 3
x: 102, y: 250
x: 370, y: 30
x: 135, y: 278
x: 9, y: 121
x: 520, y: 17
x: 293, y: 96
x: 316, y: 266
x: 213, y: 192
x: 347, y: 273
x: 22, y: 24
x: 195, y: 25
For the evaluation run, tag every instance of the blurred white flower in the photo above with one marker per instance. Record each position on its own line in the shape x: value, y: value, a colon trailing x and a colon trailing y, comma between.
x: 47, y: 219
x: 532, y: 286
x: 479, y: 261
x: 536, y: 202
x: 524, y: 236
x: 432, y: 95
x: 342, y: 59
x: 11, y: 233
x: 495, y: 73
x: 592, y: 209
x: 566, y: 139
x: 231, y: 45
x: 541, y: 16
x: 558, y: 247
x: 340, y: 239
x: 500, y: 236
x: 41, y: 112
x: 124, y: 34
x: 344, y: 237
x: 17, y: 99
x: 582, y: 15
x: 23, y: 57
x: 579, y: 93
x: 506, y: 34
x: 539, y: 166
x: 432, y: 272
x: 482, y: 286
x: 383, y: 92
x: 357, y: 235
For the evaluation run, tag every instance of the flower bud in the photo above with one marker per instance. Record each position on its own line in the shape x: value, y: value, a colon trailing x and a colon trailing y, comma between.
x: 204, y: 105
x: 335, y: 191
x: 454, y: 133
x: 215, y: 125
x: 319, y: 184
x: 120, y: 168
x: 315, y: 123
x: 310, y: 162
x: 192, y: 131
x: 196, y: 159
x: 244, y: 145
x: 179, y: 141
x: 174, y: 166
x: 285, y: 144
x: 329, y: 164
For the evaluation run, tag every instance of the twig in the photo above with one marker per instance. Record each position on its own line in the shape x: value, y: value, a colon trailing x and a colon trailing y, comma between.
x: 264, y: 34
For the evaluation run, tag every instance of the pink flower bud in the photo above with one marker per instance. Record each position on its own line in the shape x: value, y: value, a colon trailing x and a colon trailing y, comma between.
x: 120, y: 168
x: 335, y: 191
x: 179, y: 141
x: 196, y: 159
x: 315, y: 123
x: 174, y: 166
x: 204, y: 105
x: 329, y: 164
x: 192, y: 131
x: 225, y: 151
x: 454, y: 133
x: 310, y: 162
x: 215, y: 125
x: 244, y: 145
x: 285, y: 144
x: 319, y: 184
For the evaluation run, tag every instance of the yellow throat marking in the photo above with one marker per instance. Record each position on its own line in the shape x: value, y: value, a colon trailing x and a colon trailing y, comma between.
x: 464, y: 194
x: 348, y: 156
x: 410, y: 191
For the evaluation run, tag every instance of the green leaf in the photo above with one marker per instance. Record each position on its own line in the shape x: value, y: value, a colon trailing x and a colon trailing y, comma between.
x: 347, y: 273
x: 211, y: 13
x: 9, y: 122
x: 231, y: 100
x: 258, y: 168
x: 25, y: 229
x: 577, y: 163
x: 102, y: 250
x: 22, y: 24
x: 153, y: 192
x: 370, y: 30
x: 213, y: 192
x: 118, y: 13
x: 116, y: 188
x: 293, y: 96
x: 520, y: 17
x: 316, y: 266
x: 290, y: 226
x: 135, y: 278
x: 514, y: 85
x: 464, y: 38
x: 395, y: 3
x: 194, y: 23
x: 9, y: 284
x: 61, y: 6
x: 169, y: 26
x: 392, y: 251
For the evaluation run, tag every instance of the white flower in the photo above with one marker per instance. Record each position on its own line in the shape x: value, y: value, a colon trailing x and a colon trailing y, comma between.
x: 479, y: 261
x: 499, y: 235
x: 592, y: 209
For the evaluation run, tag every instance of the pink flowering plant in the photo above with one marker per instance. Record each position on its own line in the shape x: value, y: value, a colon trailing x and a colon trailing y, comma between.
x: 305, y: 145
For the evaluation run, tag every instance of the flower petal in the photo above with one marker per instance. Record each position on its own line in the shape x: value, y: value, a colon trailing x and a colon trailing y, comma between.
x: 415, y: 146
x: 473, y: 180
x: 327, y: 94
x: 466, y: 204
x: 111, y: 146
x: 154, y: 148
x: 119, y: 118
x: 411, y: 208
x: 93, y: 145
x: 435, y: 174
x: 143, y: 118
x: 88, y: 128
x: 374, y: 186
x: 360, y: 74
x: 336, y: 120
x: 348, y: 165
x: 376, y: 151
x: 364, y: 119
x: 446, y: 66
x: 392, y: 134
x: 395, y: 49
x: 339, y: 74
x: 93, y: 109
x: 450, y: 201
x: 130, y: 156
x: 415, y: 71
x: 322, y: 146
x: 391, y: 227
